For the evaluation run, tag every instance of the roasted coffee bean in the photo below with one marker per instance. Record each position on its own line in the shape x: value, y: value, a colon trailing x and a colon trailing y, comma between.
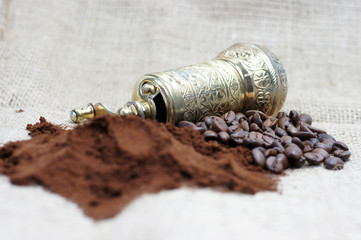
x: 333, y: 163
x: 270, y: 152
x: 281, y: 115
x: 284, y: 122
x: 314, y: 129
x: 306, y: 118
x: 201, y: 129
x: 208, y: 121
x: 308, y: 146
x: 304, y: 135
x: 282, y: 158
x: 254, y: 127
x: 270, y: 122
x: 245, y: 125
x: 278, y: 146
x: 323, y: 146
x: 314, y: 158
x: 218, y: 125
x: 210, y: 135
x: 240, y: 117
x: 297, y: 163
x: 314, y: 140
x: 233, y: 123
x: 341, y: 145
x: 303, y: 128
x: 298, y: 142
x: 252, y: 143
x: 251, y: 112
x: 268, y: 139
x: 250, y: 120
x: 323, y: 136
x: 223, y: 137
x: 291, y: 130
x: 202, y: 124
x: 183, y: 124
x: 344, y: 155
x: 280, y: 132
x: 293, y: 151
x: 257, y: 119
x: 286, y: 140
x: 238, y: 136
x: 322, y: 151
x: 232, y: 128
x: 259, y: 157
x: 329, y: 143
x: 229, y: 117
x: 274, y: 166
x: 294, y: 116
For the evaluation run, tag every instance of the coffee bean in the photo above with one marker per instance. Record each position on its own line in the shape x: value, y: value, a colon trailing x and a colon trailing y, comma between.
x: 274, y: 166
x: 321, y: 137
x: 282, y: 158
x: 329, y: 143
x: 229, y: 117
x: 208, y: 121
x: 183, y: 124
x: 306, y: 118
x: 270, y: 152
x: 257, y: 119
x: 284, y: 122
x: 291, y: 130
x: 314, y: 158
x: 258, y: 157
x: 240, y: 117
x: 278, y: 146
x: 251, y: 112
x: 210, y: 135
x: 223, y: 137
x: 322, y: 151
x: 323, y: 146
x: 268, y: 139
x: 314, y: 140
x: 245, y: 125
x: 298, y: 142
x: 250, y: 120
x: 219, y: 125
x: 308, y: 146
x: 232, y: 128
x: 281, y: 115
x: 234, y: 123
x: 271, y: 122
x: 202, y: 124
x: 252, y: 143
x: 294, y: 116
x: 201, y: 129
x: 297, y: 163
x: 341, y: 145
x: 344, y: 155
x: 293, y: 151
x: 333, y: 163
x: 280, y: 132
x: 254, y: 127
x: 314, y: 129
x: 238, y: 136
x: 286, y: 140
x: 304, y: 135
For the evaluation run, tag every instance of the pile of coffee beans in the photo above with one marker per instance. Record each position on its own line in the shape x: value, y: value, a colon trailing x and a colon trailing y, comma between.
x: 287, y: 140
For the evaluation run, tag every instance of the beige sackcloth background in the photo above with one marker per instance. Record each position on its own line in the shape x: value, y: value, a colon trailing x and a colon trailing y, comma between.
x: 56, y: 55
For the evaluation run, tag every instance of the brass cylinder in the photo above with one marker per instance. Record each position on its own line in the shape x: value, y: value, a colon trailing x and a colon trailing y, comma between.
x: 240, y: 78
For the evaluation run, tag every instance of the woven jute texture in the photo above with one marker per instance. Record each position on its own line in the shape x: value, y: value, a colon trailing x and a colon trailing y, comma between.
x: 56, y: 55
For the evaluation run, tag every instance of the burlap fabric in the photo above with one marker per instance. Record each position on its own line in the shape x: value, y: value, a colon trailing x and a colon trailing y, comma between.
x: 56, y: 55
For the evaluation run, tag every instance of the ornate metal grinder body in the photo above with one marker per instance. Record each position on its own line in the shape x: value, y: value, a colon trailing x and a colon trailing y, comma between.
x: 240, y: 78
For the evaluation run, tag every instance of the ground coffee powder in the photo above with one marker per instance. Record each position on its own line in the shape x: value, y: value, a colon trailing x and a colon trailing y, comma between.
x: 105, y: 163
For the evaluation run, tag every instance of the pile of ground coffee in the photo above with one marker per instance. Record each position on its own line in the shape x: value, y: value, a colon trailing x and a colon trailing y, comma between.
x: 105, y: 163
